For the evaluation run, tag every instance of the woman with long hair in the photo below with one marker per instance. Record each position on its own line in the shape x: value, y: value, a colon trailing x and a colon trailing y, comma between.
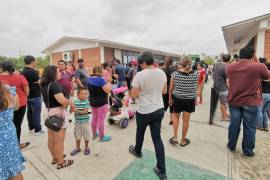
x: 8, y: 76
x: 168, y: 71
x: 11, y: 159
x: 183, y: 92
x: 56, y: 102
x: 99, y: 90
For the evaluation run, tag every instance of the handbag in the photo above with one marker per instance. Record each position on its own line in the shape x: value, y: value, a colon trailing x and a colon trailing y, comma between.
x: 53, y: 122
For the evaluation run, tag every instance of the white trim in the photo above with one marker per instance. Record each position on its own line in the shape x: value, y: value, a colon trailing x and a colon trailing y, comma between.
x: 102, y: 55
x: 260, y: 43
x: 80, y: 53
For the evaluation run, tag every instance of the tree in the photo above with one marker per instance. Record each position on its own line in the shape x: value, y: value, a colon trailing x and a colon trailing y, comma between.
x: 209, y: 60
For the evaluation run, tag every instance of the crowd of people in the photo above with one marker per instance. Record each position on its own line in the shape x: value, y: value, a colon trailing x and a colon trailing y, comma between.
x: 179, y: 88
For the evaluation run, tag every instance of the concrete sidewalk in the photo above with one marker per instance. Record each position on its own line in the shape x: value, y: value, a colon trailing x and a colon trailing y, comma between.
x: 207, y: 151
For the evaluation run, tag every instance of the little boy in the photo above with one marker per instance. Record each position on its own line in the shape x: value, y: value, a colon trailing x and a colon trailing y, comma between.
x: 82, y: 118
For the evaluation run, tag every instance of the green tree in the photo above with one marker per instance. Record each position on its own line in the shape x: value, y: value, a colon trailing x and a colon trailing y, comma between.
x: 209, y: 60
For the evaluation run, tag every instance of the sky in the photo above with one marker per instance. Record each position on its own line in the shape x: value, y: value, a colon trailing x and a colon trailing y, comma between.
x: 179, y: 26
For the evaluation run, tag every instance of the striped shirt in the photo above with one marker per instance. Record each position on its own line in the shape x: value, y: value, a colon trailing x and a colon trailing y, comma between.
x: 185, y: 84
x: 81, y: 105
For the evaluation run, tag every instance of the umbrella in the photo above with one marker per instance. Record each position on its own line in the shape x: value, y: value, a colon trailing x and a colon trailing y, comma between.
x: 213, y: 105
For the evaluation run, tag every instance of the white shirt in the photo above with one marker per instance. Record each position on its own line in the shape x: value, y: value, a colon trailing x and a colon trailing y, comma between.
x: 150, y: 83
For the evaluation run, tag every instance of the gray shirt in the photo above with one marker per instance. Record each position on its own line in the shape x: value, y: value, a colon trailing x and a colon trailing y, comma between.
x: 220, y: 77
x: 151, y: 83
x: 82, y: 75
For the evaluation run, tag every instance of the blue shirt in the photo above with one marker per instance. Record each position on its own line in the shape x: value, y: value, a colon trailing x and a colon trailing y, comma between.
x: 120, y: 70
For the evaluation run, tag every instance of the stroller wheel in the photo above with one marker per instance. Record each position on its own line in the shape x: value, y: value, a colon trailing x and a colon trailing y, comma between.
x: 123, y: 123
x: 110, y: 121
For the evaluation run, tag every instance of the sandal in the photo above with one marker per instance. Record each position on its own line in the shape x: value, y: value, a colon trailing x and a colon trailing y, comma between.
x: 75, y: 151
x: 187, y: 143
x: 66, y: 163
x: 172, y: 141
x: 54, y: 161
x: 105, y: 139
x: 24, y: 145
x: 87, y: 151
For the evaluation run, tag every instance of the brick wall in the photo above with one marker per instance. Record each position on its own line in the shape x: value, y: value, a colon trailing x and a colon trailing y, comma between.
x: 267, y: 44
x: 108, y: 54
x: 91, y: 57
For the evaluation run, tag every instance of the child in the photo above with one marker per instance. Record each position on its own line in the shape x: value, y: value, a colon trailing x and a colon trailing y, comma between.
x: 82, y: 118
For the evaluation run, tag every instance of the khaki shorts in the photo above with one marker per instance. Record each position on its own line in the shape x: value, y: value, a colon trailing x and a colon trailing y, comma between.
x: 82, y: 130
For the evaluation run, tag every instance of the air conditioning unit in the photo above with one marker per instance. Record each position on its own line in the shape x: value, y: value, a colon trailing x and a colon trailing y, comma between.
x: 67, y: 56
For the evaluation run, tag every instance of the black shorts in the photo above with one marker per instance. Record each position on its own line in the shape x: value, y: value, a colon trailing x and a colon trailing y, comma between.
x: 184, y: 105
x: 166, y: 103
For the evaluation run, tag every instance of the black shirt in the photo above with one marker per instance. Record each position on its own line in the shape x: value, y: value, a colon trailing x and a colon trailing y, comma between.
x: 266, y: 85
x: 55, y: 88
x: 32, y: 77
x: 97, y: 96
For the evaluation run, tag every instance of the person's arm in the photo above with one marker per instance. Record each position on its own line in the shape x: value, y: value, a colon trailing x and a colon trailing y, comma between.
x: 60, y: 98
x: 135, y: 91
x: 25, y: 86
x: 26, y: 90
x: 78, y: 81
x: 171, y: 91
x: 107, y: 88
x: 164, y: 89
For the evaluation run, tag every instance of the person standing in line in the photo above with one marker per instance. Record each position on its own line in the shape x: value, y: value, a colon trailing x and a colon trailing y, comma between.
x: 220, y: 85
x: 244, y: 83
x: 150, y: 110
x: 120, y: 70
x: 168, y: 71
x: 263, y: 116
x: 82, y: 119
x: 201, y: 81
x: 34, y: 97
x: 56, y: 103
x: 8, y: 76
x: 81, y: 74
x: 66, y: 78
x: 99, y: 89
x: 182, y: 95
x: 11, y: 159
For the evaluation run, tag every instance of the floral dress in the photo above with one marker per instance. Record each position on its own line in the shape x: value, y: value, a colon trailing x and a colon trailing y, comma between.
x: 11, y: 159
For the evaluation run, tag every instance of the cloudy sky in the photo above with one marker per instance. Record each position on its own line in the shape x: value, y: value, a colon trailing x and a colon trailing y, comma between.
x: 180, y: 26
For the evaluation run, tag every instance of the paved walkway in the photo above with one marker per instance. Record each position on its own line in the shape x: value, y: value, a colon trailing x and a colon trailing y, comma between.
x: 207, y: 151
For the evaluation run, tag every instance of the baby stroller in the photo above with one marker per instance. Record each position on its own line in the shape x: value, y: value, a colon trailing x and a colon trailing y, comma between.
x: 119, y: 107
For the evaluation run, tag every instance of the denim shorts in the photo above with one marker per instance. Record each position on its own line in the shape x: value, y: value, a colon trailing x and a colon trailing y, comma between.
x: 223, y: 97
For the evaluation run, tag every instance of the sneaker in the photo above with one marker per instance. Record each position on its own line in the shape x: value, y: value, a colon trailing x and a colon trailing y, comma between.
x: 105, y: 139
x: 161, y: 175
x: 232, y: 150
x: 133, y: 152
x: 249, y: 156
x: 39, y: 132
x: 95, y: 136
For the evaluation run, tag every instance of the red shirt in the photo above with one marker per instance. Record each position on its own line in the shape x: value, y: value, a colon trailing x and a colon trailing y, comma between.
x: 19, y: 82
x: 66, y: 81
x: 245, y: 79
x: 202, y: 73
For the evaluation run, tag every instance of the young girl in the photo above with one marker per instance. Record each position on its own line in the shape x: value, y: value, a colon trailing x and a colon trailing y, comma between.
x: 99, y: 90
x: 82, y: 119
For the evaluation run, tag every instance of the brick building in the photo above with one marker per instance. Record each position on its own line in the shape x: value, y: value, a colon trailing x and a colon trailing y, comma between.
x: 95, y: 51
x: 255, y: 32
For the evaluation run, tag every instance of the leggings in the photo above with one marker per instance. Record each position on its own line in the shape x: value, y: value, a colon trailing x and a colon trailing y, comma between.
x: 98, y: 118
x: 18, y: 119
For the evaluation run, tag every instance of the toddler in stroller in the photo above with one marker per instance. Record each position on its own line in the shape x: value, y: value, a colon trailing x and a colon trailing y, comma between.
x: 119, y: 107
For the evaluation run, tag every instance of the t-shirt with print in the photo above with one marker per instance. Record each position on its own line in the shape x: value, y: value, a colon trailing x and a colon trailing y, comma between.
x: 185, y: 84
x: 220, y: 77
x: 245, y: 79
x: 82, y: 75
x: 151, y: 83
x: 32, y: 77
x: 66, y: 81
x: 19, y: 82
x: 81, y: 105
x: 55, y: 88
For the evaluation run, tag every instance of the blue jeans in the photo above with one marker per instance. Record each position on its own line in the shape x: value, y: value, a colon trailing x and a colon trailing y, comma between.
x: 33, y: 113
x: 154, y: 121
x: 249, y: 116
x: 263, y: 116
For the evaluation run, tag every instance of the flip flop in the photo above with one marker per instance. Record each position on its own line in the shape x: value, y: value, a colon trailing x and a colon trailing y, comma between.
x: 187, y: 143
x: 105, y: 139
x: 24, y: 145
x: 173, y: 142
x: 75, y: 151
x: 87, y: 151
